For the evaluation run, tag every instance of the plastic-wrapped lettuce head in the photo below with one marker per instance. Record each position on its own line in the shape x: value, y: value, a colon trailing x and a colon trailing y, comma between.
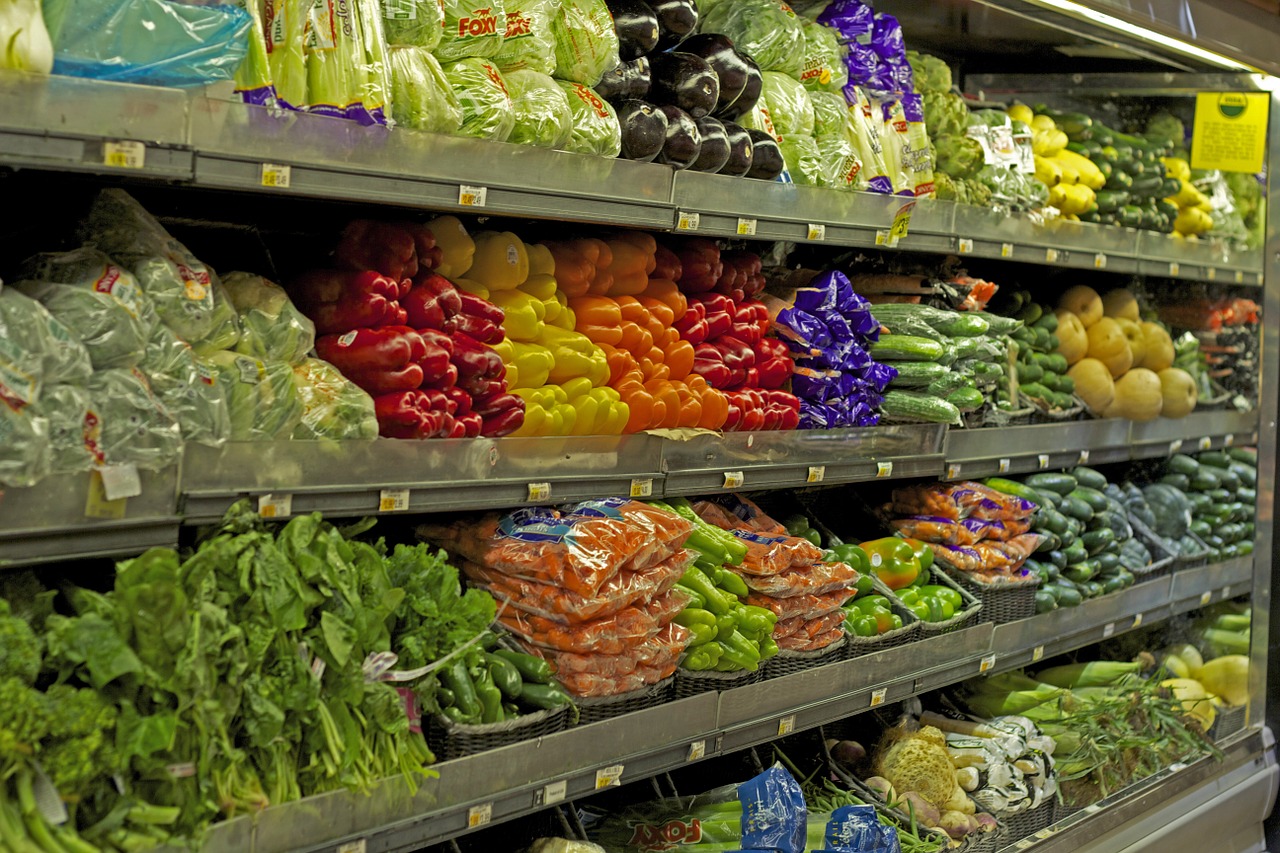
x: 789, y: 104
x: 830, y: 114
x: 421, y: 97
x: 529, y: 43
x: 804, y: 162
x: 333, y: 407
x: 472, y: 28
x: 766, y: 30
x: 595, y: 128
x: 35, y: 348
x: 586, y: 44
x: 262, y: 396
x: 24, y: 445
x: 840, y: 166
x: 133, y: 426
x: 273, y: 329
x: 824, y: 67
x: 413, y: 23
x: 188, y: 388
x: 66, y: 408
x: 542, y: 116
x: 481, y: 90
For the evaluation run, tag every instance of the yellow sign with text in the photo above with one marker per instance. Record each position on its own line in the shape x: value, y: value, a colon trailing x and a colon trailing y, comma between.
x: 1230, y: 131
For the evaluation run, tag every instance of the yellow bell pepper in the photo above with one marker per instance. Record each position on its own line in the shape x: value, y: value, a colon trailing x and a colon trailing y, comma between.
x: 455, y: 244
x: 507, y: 353
x: 1192, y: 220
x: 566, y: 319
x: 541, y: 262
x: 532, y: 362
x: 540, y: 285
x: 1176, y: 167
x: 553, y: 309
x: 524, y: 314
x: 611, y: 414
x: 501, y: 261
x: 586, y: 410
x: 576, y: 387
x: 473, y: 287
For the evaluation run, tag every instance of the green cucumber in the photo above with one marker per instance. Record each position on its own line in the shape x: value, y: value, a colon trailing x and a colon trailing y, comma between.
x: 1096, y: 541
x: 1063, y: 484
x: 1178, y: 481
x: 1081, y: 572
x: 1181, y: 463
x: 1215, y: 459
x: 905, y: 348
x: 1096, y: 500
x: 1088, y: 477
x: 1076, y: 508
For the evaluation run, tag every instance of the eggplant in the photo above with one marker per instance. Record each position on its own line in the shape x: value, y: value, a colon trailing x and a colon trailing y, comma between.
x: 644, y: 130
x: 685, y: 81
x: 637, y: 27
x: 731, y: 69
x: 766, y: 157
x: 740, y: 150
x: 627, y: 81
x: 750, y: 92
x: 683, y: 142
x: 677, y: 19
x: 715, y: 146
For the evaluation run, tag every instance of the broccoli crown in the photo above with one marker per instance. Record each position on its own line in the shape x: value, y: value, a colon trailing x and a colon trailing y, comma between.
x: 79, y: 745
x: 23, y: 717
x: 19, y: 648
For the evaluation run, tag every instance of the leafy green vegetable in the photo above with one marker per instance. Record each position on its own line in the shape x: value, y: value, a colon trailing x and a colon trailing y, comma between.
x: 824, y: 59
x: 958, y: 156
x: 586, y: 43
x: 421, y: 97
x: 594, y: 124
x: 930, y: 73
x: 541, y: 110
x: 262, y: 396
x: 481, y: 90
x: 472, y: 29
x: 766, y: 30
x: 185, y: 385
x: 803, y: 159
x: 945, y: 114
x: 272, y: 328
x: 333, y: 407
x: 413, y: 23
x: 529, y: 43
x: 789, y: 104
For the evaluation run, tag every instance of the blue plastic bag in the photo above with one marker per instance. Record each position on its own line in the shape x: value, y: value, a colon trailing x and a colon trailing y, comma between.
x: 855, y: 829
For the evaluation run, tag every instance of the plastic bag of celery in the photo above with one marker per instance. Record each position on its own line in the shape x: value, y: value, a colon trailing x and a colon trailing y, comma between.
x: 333, y: 407
x: 421, y: 97
x: 272, y: 328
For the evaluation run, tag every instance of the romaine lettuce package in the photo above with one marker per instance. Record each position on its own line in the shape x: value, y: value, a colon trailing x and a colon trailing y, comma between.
x: 412, y: 23
x: 333, y: 407
x: 868, y: 125
x: 272, y: 329
x: 24, y: 445
x: 586, y: 44
x: 253, y: 77
x: 67, y: 409
x: 541, y: 108
x: 133, y: 426
x: 824, y: 58
x: 35, y: 349
x: 482, y: 92
x: 529, y: 42
x: 593, y: 122
x: 421, y: 97
x: 804, y: 162
x: 789, y: 104
x: 766, y: 30
x: 187, y: 387
x: 830, y: 114
x: 472, y: 28
x: 262, y: 396
x: 97, y: 300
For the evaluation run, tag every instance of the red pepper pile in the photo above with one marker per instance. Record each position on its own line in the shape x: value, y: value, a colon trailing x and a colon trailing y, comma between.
x: 408, y: 336
x: 727, y: 326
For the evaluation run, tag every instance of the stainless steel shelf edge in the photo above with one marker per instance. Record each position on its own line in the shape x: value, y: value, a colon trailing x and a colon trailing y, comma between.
x: 984, y: 452
x: 1197, y: 431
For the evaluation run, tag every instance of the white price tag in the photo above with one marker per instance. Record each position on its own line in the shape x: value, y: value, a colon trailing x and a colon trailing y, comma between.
x: 1047, y: 832
x: 642, y: 488
x: 1177, y: 767
x: 609, y: 777
x: 124, y: 154
x: 318, y: 666
x: 120, y: 481
x: 1024, y: 844
x: 96, y: 504
x: 878, y: 696
x: 817, y: 232
x: 965, y: 245
x: 786, y: 725
x: 1037, y: 654
x: 885, y: 238
x: 1006, y: 250
x: 1003, y: 466
x: 1043, y: 460
x: 479, y: 815
x: 1092, y: 808
x: 539, y: 491
x: 357, y: 846
x: 816, y: 473
x: 1100, y: 261
x: 1229, y: 440
x: 884, y: 469
x: 986, y: 664
x: 1205, y: 442
x: 953, y: 471
x: 1108, y: 629
x: 1137, y: 620
x: 275, y: 506
x: 1212, y: 273
x: 733, y: 479
x: 697, y: 750
x: 393, y: 500
x: 1174, y: 269
x: 687, y: 221
x: 469, y: 196
x: 746, y: 227
x: 276, y: 175
x: 1083, y: 458
x: 1175, y: 446
x: 1206, y: 597
x: 181, y: 771
x: 1239, y: 276
x: 1226, y: 593
x: 1050, y: 256
x: 554, y: 792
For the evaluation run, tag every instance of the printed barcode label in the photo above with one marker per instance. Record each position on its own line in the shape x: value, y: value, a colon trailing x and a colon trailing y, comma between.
x: 1043, y: 460
x: 1050, y: 256
x: 1174, y: 268
x: 1046, y: 832
x: 357, y: 846
x: 1175, y: 446
x: 986, y: 664
x: 953, y: 470
x: 687, y: 221
x: 1083, y: 458
x: 1108, y: 629
x: 1205, y: 597
x: 786, y: 725
x: 642, y: 488
x: 276, y: 175
x: 609, y: 777
x: 125, y: 154
x: 469, y: 196
x: 1100, y: 261
x: 878, y: 696
x: 539, y: 491
x: 1024, y: 844
x: 1239, y: 276
x: 553, y: 793
x: 884, y: 237
x: 275, y: 506
x: 884, y: 469
x: 1006, y: 250
x: 479, y: 815
x: 697, y: 750
x: 733, y: 479
x: 746, y: 227
x: 817, y: 231
x: 965, y: 245
x: 393, y: 500
x: 1003, y: 466
x: 1137, y: 620
x: 1229, y: 440
x: 816, y: 473
x: 1205, y: 443
x: 1037, y: 654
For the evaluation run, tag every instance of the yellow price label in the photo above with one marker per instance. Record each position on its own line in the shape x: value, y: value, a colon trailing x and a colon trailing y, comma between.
x: 1042, y: 460
x: 883, y: 470
x: 786, y: 725
x: 817, y: 232
x: 953, y: 471
x: 902, y: 221
x: 1003, y: 466
x: 1037, y: 654
x: 393, y: 500
x: 885, y: 238
x: 1137, y: 620
x: 642, y: 488
x: 276, y: 176
x: 469, y: 196
x: 965, y: 246
x: 609, y: 777
x: 817, y: 473
x: 479, y: 815
x: 1083, y: 458
x: 746, y: 227
x: 97, y: 505
x: 687, y: 221
x: 733, y: 479
x: 1051, y: 256
x: 878, y: 696
x: 357, y: 846
x: 1006, y: 250
x: 124, y: 154
x: 1100, y: 261
x: 275, y: 506
x: 987, y: 664
x: 1175, y: 269
x: 697, y: 750
x: 539, y: 491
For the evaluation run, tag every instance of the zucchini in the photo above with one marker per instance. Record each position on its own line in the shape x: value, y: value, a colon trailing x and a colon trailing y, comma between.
x: 918, y: 374
x: 1244, y: 455
x: 1062, y: 484
x: 1068, y: 596
x: 1247, y: 476
x: 1205, y: 479
x: 1219, y: 496
x: 1088, y: 477
x: 1051, y: 362
x: 1076, y: 553
x: 1077, y: 508
x: 1107, y: 562
x: 1096, y: 500
x: 905, y: 348
x: 1215, y: 459
x: 1081, y: 572
x: 1096, y: 541
x: 1181, y: 463
x: 1248, y: 496
x: 1058, y: 558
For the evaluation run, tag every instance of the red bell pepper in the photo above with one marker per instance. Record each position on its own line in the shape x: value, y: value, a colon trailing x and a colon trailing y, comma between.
x: 746, y: 280
x: 448, y: 296
x: 773, y: 372
x: 423, y: 309
x: 495, y: 403
x: 408, y: 414
x: 719, y: 311
x: 438, y: 338
x: 444, y: 380
x: 708, y: 362
x: 484, y: 331
x: 475, y: 360
x: 700, y: 265
x: 503, y: 414
x: 666, y: 264
x: 734, y: 352
x: 340, y: 300
x: 693, y: 325
x: 461, y: 400
x: 385, y: 247
x: 482, y: 388
x: 474, y: 306
x: 472, y: 424
x: 385, y: 348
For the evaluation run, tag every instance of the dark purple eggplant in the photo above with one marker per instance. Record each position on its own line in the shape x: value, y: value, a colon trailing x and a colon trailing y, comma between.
x: 644, y: 130
x: 766, y: 156
x: 637, y: 26
x: 740, y: 150
x: 628, y: 81
x: 715, y: 146
x: 731, y: 69
x: 750, y: 92
x: 677, y: 19
x: 685, y: 81
x: 683, y: 142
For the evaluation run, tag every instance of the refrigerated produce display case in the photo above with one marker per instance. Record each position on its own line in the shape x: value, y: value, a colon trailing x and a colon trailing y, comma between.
x: 672, y: 359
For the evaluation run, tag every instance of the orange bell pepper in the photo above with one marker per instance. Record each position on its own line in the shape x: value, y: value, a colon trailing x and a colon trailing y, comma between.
x: 656, y: 330
x: 665, y: 392
x: 602, y: 335
x: 658, y: 415
x: 651, y: 369
x: 664, y: 290
x: 574, y: 269
x: 620, y: 362
x: 596, y: 310
x: 639, y: 403
x: 643, y: 241
x: 630, y: 268
x: 660, y: 310
x: 690, y: 406
x: 679, y: 359
x: 715, y: 409
x: 629, y: 308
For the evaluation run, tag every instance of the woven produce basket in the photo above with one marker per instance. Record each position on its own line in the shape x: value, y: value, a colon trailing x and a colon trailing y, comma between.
x: 963, y: 618
x: 598, y: 708
x: 448, y: 739
x: 691, y: 682
x: 1230, y: 721
x: 1024, y: 824
x: 1001, y: 602
x: 785, y: 662
x: 1162, y: 559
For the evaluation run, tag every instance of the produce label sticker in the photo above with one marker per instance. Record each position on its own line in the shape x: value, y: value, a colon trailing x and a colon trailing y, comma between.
x: 1003, y: 466
x: 125, y: 154
x: 697, y: 750
x: 884, y: 469
x: 120, y: 481
x: 642, y: 488
x: 953, y: 471
x: 902, y: 221
x: 966, y: 246
x: 817, y: 473
x: 687, y: 221
x: 1083, y: 459
x: 1108, y: 629
x: 275, y: 506
x: 276, y: 176
x: 1229, y: 440
x: 539, y: 491
x: 479, y: 815
x: 817, y: 231
x: 609, y: 777
x: 1230, y: 131
x: 552, y: 793
x: 1042, y: 460
x: 1174, y: 268
x: 786, y: 725
x: 469, y: 196
x: 986, y: 664
x: 98, y: 505
x: 1050, y: 256
x: 878, y: 696
x: 1100, y: 261
x: 393, y: 500
x: 733, y: 479
x: 1205, y: 597
x: 1037, y: 654
x: 1006, y: 250
x: 1205, y: 442
x: 357, y: 846
x: 746, y: 227
x: 884, y: 237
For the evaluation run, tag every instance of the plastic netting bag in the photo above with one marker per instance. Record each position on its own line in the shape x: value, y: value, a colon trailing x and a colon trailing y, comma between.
x: 594, y: 127
x: 262, y: 396
x: 413, y: 23
x: 271, y: 327
x: 586, y: 43
x: 421, y: 97
x: 472, y: 28
x: 482, y: 93
x: 24, y: 444
x: 529, y: 42
x: 766, y: 30
x: 333, y: 407
x: 133, y: 425
x: 186, y: 386
x: 541, y: 108
x: 36, y: 346
x: 67, y: 409
x: 789, y: 104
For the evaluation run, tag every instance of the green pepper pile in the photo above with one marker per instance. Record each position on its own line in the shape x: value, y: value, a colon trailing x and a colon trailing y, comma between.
x: 488, y: 684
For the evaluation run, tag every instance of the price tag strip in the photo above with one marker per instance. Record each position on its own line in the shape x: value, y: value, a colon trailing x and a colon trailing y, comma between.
x: 786, y: 725
x: 1003, y: 466
x: 687, y: 221
x: 987, y: 664
x: 275, y: 506
x: 878, y: 696
x: 884, y: 470
x: 1006, y: 250
x: 539, y: 491
x: 953, y: 471
x: 1083, y: 459
x: 393, y: 500
x: 124, y: 154
x: 357, y: 846
x: 817, y: 232
x: 642, y: 488
x: 609, y: 777
x: 479, y: 815
x: 816, y: 473
x: 965, y: 245
x: 697, y: 750
x: 746, y: 227
x: 1043, y: 460
x: 733, y: 479
x: 469, y: 196
x: 276, y: 176
x: 551, y: 793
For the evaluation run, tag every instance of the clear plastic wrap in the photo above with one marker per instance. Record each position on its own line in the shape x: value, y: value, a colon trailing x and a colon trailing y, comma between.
x: 594, y: 127
x: 830, y: 114
x: 611, y: 635
x: 421, y: 97
x: 824, y: 66
x: 133, y: 425
x: 472, y: 28
x: 813, y: 578
x: 917, y: 159
x: 375, y: 94
x: 482, y: 93
x: 893, y: 137
x: 867, y: 125
x: 790, y: 107
x: 262, y: 396
x: 541, y: 108
x: 801, y: 633
x: 586, y: 44
x: 333, y: 407
x: 272, y: 328
x: 586, y: 685
x: 286, y: 27
x: 772, y: 555
x: 253, y: 77
x: 186, y: 386
x: 839, y: 165
x: 529, y: 42
x: 806, y: 605
x: 766, y: 30
x: 67, y: 408
x: 803, y: 159
x: 662, y: 650
x: 413, y: 23
x: 24, y: 444
x: 35, y: 349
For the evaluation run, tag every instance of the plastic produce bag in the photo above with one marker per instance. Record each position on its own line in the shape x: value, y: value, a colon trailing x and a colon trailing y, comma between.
x: 830, y: 114
x: 67, y: 409
x: 421, y: 97
x: 804, y: 161
x: 593, y: 122
x: 253, y: 77
x: 186, y: 386
x: 335, y: 51
x: 766, y: 30
x: 287, y: 55
x: 586, y: 44
x: 839, y: 165
x: 333, y: 407
x: 529, y: 42
x: 789, y: 104
x: 34, y: 346
x: 26, y: 40
x: 482, y: 92
x: 857, y: 829
x: 413, y: 23
x: 541, y: 109
x: 262, y: 397
x: 868, y: 126
x: 133, y: 425
x: 824, y: 67
x: 150, y: 41
x: 272, y: 328
x: 186, y: 294
x: 24, y: 444
x: 472, y: 28
x: 375, y: 96
x: 611, y: 635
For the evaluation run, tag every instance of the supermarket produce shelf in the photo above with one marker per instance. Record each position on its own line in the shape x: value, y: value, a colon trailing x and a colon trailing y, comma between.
x: 516, y: 780
x: 1198, y: 431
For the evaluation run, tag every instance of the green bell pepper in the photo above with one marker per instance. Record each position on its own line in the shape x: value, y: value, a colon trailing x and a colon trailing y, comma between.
x: 703, y: 657
x: 768, y: 648
x: 726, y: 625
x: 700, y: 633
x: 854, y: 556
x: 893, y: 561
x: 730, y: 582
x: 713, y: 599
x: 756, y: 620
x: 741, y: 651
x: 860, y: 624
x: 923, y: 553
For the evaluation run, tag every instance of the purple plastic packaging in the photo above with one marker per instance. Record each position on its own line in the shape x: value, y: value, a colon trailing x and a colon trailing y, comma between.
x: 803, y: 327
x: 810, y: 384
x: 864, y: 67
x: 816, y: 298
x: 886, y: 38
x: 839, y: 328
x: 853, y: 21
x: 880, y: 375
x: 857, y: 359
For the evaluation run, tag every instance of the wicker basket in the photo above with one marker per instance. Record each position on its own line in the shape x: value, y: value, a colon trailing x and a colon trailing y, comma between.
x: 786, y: 662
x: 1062, y: 811
x: 692, y: 682
x: 1003, y: 602
x: 977, y: 842
x: 1024, y: 824
x: 1230, y: 721
x: 994, y: 417
x: 855, y: 646
x: 1044, y: 414
x: 594, y: 709
x: 1168, y: 561
x: 448, y: 739
x: 1194, y: 561
x: 963, y: 618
